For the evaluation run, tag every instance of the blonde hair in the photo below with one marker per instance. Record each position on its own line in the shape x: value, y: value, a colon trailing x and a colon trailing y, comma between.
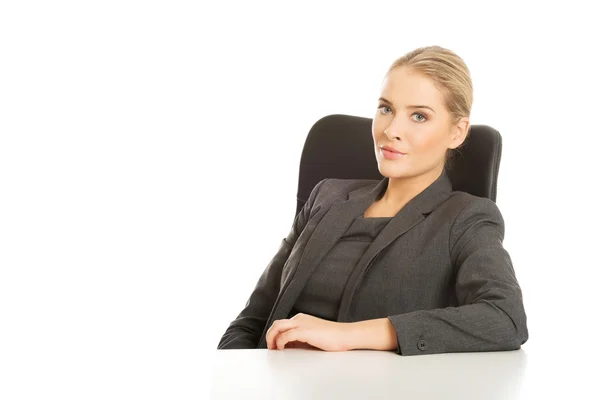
x: 449, y: 74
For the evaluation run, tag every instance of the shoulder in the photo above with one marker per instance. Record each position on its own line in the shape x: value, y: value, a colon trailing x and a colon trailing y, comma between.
x: 334, y: 189
x: 471, y: 213
x: 342, y: 187
x: 467, y: 203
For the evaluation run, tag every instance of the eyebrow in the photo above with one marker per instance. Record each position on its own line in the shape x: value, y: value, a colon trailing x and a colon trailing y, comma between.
x: 411, y: 106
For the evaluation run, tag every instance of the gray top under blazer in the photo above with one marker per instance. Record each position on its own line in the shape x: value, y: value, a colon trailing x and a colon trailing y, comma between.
x: 438, y: 271
x: 323, y: 292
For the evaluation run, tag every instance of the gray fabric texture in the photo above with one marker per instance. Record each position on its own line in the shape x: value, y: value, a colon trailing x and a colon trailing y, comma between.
x: 323, y: 292
x: 438, y: 271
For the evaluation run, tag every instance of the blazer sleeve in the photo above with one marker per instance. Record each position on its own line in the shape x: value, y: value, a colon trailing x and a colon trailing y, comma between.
x: 245, y: 331
x: 490, y: 315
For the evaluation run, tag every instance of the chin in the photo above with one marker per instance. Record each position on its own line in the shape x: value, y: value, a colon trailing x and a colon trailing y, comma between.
x: 404, y: 171
x: 398, y: 172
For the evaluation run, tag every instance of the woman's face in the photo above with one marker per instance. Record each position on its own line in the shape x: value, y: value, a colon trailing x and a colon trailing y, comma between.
x: 412, y: 112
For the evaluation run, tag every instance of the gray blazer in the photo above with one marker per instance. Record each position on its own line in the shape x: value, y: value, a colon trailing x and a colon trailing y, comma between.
x: 437, y: 270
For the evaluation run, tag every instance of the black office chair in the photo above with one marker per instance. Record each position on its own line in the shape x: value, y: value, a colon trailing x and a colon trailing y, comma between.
x: 341, y: 146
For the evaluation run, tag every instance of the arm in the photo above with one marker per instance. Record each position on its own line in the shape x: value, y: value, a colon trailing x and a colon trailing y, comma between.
x: 244, y: 332
x: 373, y: 334
x: 490, y: 315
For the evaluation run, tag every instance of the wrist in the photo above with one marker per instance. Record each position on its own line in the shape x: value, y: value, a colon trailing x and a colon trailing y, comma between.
x: 374, y: 334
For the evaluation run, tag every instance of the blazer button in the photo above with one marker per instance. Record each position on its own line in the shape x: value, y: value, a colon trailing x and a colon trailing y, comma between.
x: 422, y: 345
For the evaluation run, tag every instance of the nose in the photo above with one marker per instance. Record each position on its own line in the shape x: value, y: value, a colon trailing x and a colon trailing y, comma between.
x: 391, y: 133
x: 390, y: 137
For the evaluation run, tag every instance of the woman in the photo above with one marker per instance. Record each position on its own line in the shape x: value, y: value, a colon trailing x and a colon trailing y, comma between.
x: 404, y: 264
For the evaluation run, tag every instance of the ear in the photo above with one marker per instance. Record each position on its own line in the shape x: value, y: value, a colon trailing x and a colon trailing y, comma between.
x: 459, y: 132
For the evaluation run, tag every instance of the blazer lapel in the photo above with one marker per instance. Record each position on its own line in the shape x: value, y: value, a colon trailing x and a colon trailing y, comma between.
x: 334, y: 224
x: 409, y: 216
x: 329, y: 230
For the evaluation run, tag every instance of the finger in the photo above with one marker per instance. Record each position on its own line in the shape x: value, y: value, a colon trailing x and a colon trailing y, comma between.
x: 291, y: 335
x: 294, y: 345
x: 300, y: 345
x: 280, y: 325
x: 273, y: 331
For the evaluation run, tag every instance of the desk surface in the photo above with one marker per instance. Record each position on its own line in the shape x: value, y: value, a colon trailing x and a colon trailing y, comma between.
x: 363, y: 374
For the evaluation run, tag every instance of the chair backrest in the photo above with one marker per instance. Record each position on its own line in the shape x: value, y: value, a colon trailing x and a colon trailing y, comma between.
x: 341, y: 146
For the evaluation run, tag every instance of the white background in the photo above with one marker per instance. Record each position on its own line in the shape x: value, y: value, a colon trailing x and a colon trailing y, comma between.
x: 149, y: 156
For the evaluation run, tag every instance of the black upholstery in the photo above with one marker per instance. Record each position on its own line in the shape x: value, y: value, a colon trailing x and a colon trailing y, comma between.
x: 341, y: 146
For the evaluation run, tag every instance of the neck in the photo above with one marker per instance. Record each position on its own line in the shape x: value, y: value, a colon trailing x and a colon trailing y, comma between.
x: 401, y: 190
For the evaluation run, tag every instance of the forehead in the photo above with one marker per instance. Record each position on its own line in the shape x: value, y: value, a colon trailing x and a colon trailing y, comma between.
x: 403, y: 86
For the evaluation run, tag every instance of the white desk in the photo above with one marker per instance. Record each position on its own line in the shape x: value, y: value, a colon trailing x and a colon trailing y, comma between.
x: 361, y: 374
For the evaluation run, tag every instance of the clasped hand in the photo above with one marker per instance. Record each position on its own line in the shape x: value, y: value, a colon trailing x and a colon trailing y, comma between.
x: 307, y: 331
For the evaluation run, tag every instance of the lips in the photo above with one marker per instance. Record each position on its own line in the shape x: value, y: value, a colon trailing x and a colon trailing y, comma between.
x: 388, y: 148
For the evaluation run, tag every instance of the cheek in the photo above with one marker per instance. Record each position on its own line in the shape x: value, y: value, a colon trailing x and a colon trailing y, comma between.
x: 377, y: 131
x: 426, y: 142
x: 377, y: 126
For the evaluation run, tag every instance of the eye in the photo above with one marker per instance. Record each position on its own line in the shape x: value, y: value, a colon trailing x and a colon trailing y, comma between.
x: 422, y: 117
x: 384, y: 109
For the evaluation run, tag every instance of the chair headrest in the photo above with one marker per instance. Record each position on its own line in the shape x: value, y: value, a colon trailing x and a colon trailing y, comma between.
x: 341, y: 146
